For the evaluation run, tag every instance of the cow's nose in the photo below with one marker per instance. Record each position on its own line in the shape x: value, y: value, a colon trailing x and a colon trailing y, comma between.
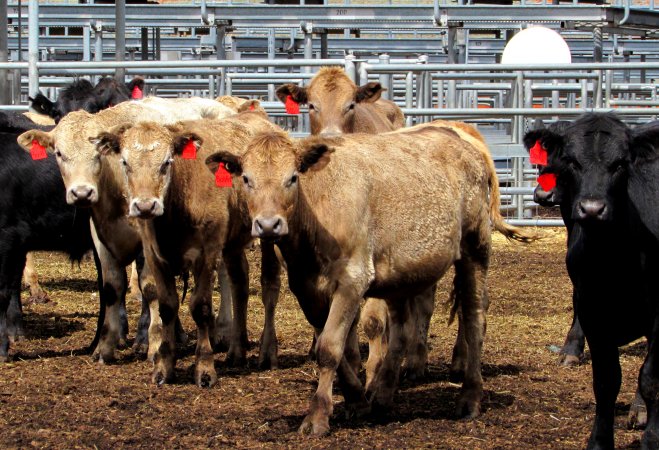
x: 145, y: 206
x: 82, y: 193
x: 330, y: 132
x: 542, y: 197
x: 269, y: 227
x: 592, y: 209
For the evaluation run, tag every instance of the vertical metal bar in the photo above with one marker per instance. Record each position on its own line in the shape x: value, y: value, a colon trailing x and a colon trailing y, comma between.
x: 86, y: 43
x: 120, y: 38
x: 156, y: 48
x: 452, y: 59
x: 598, y: 88
x: 308, y: 48
x: 271, y: 56
x: 20, y: 31
x: 350, y: 68
x: 584, y: 93
x: 597, y: 41
x: 385, y: 78
x: 4, y: 53
x: 409, y: 95
x: 220, y: 42
x: 144, y: 43
x: 324, y: 53
x: 33, y: 46
x: 609, y: 82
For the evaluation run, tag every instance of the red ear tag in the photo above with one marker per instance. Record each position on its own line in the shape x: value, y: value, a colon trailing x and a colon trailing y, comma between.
x: 538, y: 154
x: 37, y: 151
x: 251, y: 107
x: 292, y: 107
x: 547, y: 181
x: 222, y: 177
x: 137, y: 93
x: 190, y: 150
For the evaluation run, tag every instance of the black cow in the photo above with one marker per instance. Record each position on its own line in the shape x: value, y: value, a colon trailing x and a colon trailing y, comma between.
x: 34, y: 215
x: 81, y: 94
x: 608, y: 181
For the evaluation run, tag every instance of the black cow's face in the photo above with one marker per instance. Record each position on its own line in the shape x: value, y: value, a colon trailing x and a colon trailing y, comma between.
x: 590, y: 159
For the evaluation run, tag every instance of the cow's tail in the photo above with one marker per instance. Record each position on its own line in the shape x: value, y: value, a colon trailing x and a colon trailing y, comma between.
x: 509, y: 231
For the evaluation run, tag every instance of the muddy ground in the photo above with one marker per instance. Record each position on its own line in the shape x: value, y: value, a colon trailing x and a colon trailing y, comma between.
x: 53, y: 395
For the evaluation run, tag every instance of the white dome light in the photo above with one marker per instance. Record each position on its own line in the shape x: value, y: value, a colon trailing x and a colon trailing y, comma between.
x: 536, y: 45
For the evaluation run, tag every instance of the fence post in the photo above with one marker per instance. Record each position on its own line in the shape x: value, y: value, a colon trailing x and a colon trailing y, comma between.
x: 385, y: 78
x: 350, y: 68
x: 4, y: 53
x: 120, y: 38
x: 33, y: 47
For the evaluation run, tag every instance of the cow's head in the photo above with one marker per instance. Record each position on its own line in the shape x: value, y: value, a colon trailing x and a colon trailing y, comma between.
x: 332, y: 98
x: 546, y: 195
x: 77, y: 158
x: 147, y: 151
x: 590, y: 158
x: 110, y: 92
x: 78, y: 95
x: 270, y: 172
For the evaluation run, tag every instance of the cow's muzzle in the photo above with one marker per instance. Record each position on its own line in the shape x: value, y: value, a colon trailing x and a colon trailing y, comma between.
x: 269, y: 227
x: 544, y: 198
x: 146, y: 208
x: 82, y: 195
x: 592, y: 210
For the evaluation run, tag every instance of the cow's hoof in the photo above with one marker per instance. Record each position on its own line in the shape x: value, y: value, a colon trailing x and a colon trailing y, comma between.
x: 357, y: 410
x: 566, y: 360
x: 141, y: 348
x: 15, y: 336
x: 182, y: 338
x: 160, y: 377
x: 38, y: 298
x: 236, y: 358
x: 414, y: 373
x: 467, y: 408
x: 638, y: 417
x: 318, y: 426
x: 122, y: 343
x: 4, y: 358
x: 456, y: 376
x: 204, y: 374
x: 268, y: 362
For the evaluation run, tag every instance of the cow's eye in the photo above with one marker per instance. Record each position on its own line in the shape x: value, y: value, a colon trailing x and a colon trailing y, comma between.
x: 58, y: 153
x: 247, y: 182
x: 617, y: 166
x: 312, y: 107
x: 165, y: 165
x: 291, y: 181
x: 351, y: 106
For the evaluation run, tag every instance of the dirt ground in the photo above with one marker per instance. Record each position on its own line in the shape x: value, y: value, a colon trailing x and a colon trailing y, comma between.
x: 53, y: 395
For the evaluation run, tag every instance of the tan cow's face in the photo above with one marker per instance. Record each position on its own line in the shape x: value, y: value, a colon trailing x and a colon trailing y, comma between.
x: 270, y: 171
x: 332, y: 98
x: 146, y: 151
x: 78, y: 160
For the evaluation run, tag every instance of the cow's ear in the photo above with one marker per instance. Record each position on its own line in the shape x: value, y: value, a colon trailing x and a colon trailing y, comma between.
x: 645, y: 144
x: 109, y: 142
x: 42, y: 104
x: 369, y: 93
x: 314, y: 157
x: 551, y: 141
x: 43, y: 138
x: 136, y: 82
x: 297, y: 93
x: 538, y: 124
x: 232, y: 163
x: 183, y: 140
x: 250, y: 105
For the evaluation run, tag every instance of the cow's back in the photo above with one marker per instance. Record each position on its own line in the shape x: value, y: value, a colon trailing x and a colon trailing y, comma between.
x: 403, y: 194
x: 392, y: 112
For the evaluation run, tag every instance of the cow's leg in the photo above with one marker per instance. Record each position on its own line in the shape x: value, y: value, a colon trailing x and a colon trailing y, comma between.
x: 112, y: 295
x: 374, y: 320
x: 163, y: 319
x: 37, y: 294
x: 648, y: 386
x: 356, y: 403
x: 224, y: 317
x: 134, y: 282
x: 638, y: 413
x: 141, y: 344
x: 607, y: 377
x: 201, y: 309
x: 471, y: 295
x: 401, y: 326
x: 15, y: 327
x: 422, y: 307
x: 571, y: 353
x: 270, y: 285
x: 11, y: 269
x: 4, y: 337
x: 238, y: 270
x: 330, y: 351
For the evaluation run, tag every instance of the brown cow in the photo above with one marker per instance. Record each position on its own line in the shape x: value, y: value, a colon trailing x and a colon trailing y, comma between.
x: 337, y: 105
x: 98, y: 182
x: 411, y: 205
x: 186, y: 223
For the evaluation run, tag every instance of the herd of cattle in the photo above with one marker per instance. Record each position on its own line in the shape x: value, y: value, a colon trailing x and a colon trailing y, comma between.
x: 362, y: 209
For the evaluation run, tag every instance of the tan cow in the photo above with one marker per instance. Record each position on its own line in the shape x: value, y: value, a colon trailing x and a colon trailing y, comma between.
x: 411, y: 205
x: 186, y: 223
x: 92, y: 180
x: 240, y: 104
x: 337, y: 105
